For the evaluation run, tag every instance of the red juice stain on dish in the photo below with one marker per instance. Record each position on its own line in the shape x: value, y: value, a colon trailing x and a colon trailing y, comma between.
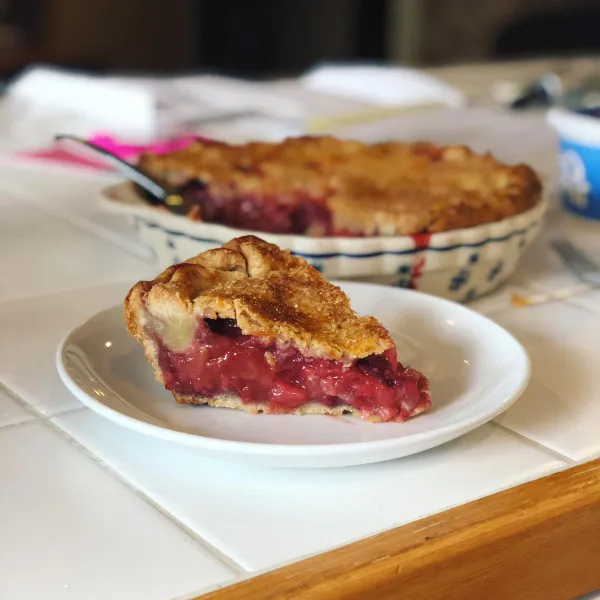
x: 421, y: 241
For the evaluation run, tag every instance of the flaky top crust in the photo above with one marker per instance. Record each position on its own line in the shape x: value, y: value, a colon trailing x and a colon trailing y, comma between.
x: 268, y: 292
x: 380, y: 189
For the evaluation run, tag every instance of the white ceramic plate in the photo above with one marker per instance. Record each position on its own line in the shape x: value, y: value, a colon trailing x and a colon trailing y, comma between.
x: 477, y: 370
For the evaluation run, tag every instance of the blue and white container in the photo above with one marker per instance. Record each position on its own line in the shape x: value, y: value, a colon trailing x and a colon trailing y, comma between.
x: 579, y: 160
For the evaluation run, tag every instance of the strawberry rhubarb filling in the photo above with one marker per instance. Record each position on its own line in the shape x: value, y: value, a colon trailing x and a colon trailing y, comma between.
x: 222, y: 360
x: 302, y: 213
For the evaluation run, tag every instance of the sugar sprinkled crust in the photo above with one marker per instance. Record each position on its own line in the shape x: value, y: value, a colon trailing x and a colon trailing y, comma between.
x: 268, y: 292
x: 380, y: 189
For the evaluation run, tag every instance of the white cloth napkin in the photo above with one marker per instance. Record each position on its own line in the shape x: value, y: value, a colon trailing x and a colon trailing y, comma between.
x: 90, y: 102
x: 382, y: 85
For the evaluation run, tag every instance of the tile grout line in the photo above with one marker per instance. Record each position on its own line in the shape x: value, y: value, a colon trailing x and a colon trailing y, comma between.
x: 36, y: 413
x: 492, y: 313
x: 534, y: 443
x: 567, y: 301
x: 15, y: 424
x: 223, y: 558
x: 572, y: 303
x: 202, y: 591
x: 127, y: 283
x: 512, y: 282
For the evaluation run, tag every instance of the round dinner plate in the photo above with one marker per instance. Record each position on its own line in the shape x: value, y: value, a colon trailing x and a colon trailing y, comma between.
x: 476, y: 369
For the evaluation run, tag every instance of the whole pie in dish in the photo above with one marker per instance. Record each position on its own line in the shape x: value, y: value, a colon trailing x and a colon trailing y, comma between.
x: 322, y: 186
x: 250, y: 326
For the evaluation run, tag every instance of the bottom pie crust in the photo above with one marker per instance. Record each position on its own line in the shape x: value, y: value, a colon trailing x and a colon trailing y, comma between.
x: 312, y: 408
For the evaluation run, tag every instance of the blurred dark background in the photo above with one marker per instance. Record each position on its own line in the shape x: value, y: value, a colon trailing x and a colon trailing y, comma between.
x: 265, y: 38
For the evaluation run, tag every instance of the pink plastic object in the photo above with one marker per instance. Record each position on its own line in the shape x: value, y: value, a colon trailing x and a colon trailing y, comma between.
x: 129, y: 151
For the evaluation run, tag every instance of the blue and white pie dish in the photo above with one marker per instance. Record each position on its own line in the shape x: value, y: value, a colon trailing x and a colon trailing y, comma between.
x: 461, y: 265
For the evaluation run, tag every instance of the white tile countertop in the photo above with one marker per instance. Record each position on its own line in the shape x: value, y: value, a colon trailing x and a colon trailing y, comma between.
x: 103, y: 512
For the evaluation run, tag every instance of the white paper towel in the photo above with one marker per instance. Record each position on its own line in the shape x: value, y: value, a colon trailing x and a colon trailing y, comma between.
x: 381, y: 85
x: 118, y: 106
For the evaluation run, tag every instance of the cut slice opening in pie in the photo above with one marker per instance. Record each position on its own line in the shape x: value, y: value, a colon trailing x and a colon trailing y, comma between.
x: 250, y: 326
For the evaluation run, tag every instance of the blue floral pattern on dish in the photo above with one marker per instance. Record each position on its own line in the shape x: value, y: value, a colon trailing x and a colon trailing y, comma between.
x: 405, y: 272
x: 471, y: 295
x: 496, y: 270
x: 458, y: 281
x: 174, y: 256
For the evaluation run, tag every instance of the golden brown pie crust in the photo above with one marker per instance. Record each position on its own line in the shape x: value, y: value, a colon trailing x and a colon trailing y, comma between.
x: 268, y: 292
x: 380, y: 189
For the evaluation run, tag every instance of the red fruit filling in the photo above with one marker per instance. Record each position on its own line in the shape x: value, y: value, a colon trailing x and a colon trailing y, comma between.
x: 300, y: 214
x: 223, y: 360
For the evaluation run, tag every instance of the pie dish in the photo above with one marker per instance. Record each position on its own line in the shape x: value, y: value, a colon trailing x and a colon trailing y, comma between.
x: 323, y: 186
x: 461, y: 263
x: 252, y: 327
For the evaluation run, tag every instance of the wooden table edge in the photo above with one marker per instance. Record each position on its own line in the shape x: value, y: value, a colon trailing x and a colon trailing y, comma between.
x: 539, y: 540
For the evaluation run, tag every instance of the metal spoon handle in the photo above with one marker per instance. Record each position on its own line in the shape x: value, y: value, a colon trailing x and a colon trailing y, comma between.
x: 131, y: 172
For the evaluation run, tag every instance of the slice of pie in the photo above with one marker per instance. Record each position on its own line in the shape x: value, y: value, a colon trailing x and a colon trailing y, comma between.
x: 250, y: 326
x: 323, y: 186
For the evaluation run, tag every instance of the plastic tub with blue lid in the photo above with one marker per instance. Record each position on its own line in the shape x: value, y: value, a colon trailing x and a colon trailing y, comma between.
x: 579, y: 159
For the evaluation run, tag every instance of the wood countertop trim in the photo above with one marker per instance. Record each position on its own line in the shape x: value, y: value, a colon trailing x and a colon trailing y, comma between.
x: 539, y: 540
